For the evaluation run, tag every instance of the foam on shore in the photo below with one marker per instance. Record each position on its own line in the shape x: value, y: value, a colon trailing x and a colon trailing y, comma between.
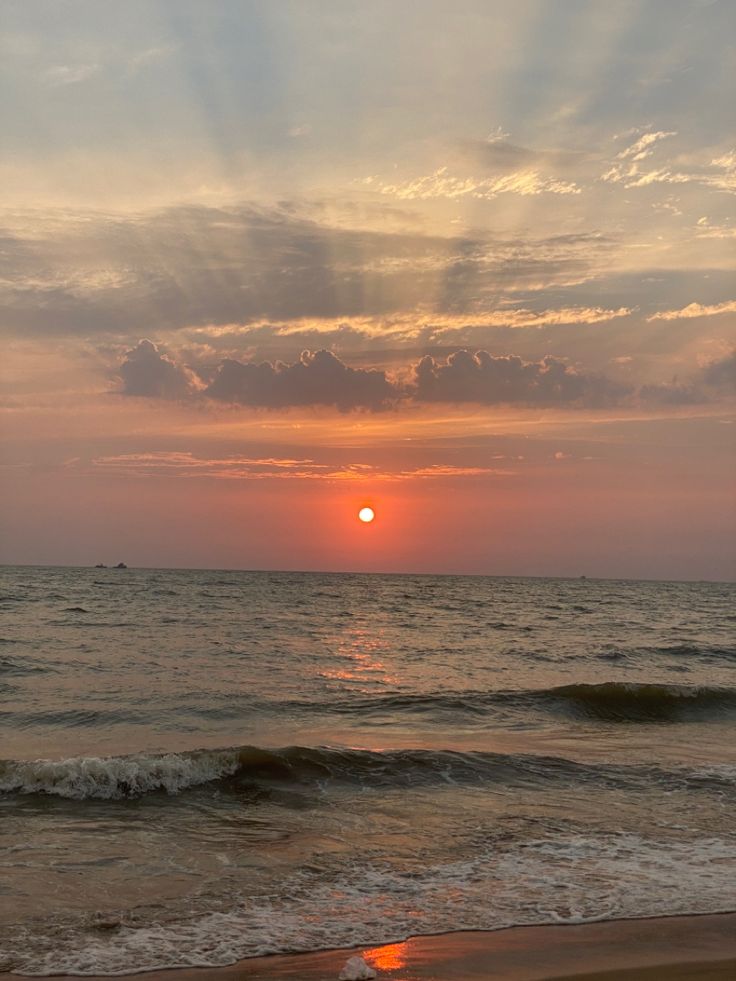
x: 625, y: 950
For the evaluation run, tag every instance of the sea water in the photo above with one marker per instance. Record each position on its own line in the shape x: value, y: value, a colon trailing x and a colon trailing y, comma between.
x: 202, y: 766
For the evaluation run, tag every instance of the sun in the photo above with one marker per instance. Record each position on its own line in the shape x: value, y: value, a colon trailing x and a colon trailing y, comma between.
x: 366, y: 515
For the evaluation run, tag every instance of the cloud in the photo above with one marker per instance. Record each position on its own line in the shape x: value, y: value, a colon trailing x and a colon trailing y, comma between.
x: 489, y: 380
x: 716, y: 379
x: 442, y: 184
x: 523, y: 318
x: 722, y: 374
x: 184, y: 464
x: 189, y: 266
x: 320, y: 378
x: 60, y: 75
x: 695, y: 310
x: 445, y: 470
x: 401, y: 330
x: 671, y: 393
x: 642, y: 148
x: 718, y: 173
x: 181, y: 464
x: 146, y: 371
x: 705, y: 229
x: 317, y: 378
x: 519, y: 170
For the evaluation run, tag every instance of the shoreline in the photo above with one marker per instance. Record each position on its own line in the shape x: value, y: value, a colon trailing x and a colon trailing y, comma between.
x: 681, y: 948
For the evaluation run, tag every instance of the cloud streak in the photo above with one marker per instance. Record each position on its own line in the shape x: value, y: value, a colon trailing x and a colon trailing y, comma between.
x: 717, y: 173
x: 695, y: 310
x: 188, y: 465
x: 59, y: 75
x: 442, y: 184
x: 643, y: 147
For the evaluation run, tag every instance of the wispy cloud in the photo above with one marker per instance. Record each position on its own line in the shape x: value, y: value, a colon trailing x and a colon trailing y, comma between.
x: 420, y: 326
x: 59, y: 75
x: 442, y: 184
x: 188, y: 465
x: 642, y: 148
x: 695, y: 310
x: 717, y: 173
x: 168, y: 463
x: 523, y: 318
x: 706, y: 229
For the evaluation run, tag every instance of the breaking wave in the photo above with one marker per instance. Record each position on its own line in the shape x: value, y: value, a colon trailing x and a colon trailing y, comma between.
x: 116, y: 777
x: 313, y: 768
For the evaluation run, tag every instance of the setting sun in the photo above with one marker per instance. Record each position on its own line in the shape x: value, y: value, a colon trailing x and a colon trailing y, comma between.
x: 366, y: 515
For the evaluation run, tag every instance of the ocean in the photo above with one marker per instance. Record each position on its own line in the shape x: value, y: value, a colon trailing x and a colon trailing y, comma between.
x: 202, y: 766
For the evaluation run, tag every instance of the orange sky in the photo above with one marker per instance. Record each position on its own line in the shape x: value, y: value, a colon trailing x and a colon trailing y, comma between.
x: 473, y: 266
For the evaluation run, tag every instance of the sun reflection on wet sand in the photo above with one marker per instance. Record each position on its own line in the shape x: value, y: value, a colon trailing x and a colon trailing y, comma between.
x: 389, y: 958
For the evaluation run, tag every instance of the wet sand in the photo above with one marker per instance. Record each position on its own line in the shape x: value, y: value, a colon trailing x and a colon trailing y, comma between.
x: 677, y: 948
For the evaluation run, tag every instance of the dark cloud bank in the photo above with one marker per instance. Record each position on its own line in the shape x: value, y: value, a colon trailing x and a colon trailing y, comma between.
x: 320, y: 378
x: 486, y: 379
x: 149, y: 372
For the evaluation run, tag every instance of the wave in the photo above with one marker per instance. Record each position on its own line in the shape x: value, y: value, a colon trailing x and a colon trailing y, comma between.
x: 305, y: 768
x: 611, y: 701
x: 693, y: 652
x: 14, y: 665
x: 707, y: 652
x: 630, y: 701
x: 116, y: 777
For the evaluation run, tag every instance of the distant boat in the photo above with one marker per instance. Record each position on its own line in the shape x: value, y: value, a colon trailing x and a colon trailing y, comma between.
x: 100, y: 565
x: 121, y: 565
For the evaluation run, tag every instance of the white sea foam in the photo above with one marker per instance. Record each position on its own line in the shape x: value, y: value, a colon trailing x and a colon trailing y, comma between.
x: 116, y: 777
x: 575, y: 879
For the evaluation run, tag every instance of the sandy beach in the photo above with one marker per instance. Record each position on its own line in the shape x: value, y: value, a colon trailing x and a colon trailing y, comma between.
x: 677, y: 948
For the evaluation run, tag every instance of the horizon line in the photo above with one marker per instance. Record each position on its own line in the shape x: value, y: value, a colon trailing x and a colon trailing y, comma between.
x: 583, y: 577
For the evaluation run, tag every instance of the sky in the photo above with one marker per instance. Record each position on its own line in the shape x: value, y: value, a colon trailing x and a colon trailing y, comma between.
x: 469, y: 263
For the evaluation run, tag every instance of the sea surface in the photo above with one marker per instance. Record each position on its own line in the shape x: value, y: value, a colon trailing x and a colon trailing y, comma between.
x: 198, y: 767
